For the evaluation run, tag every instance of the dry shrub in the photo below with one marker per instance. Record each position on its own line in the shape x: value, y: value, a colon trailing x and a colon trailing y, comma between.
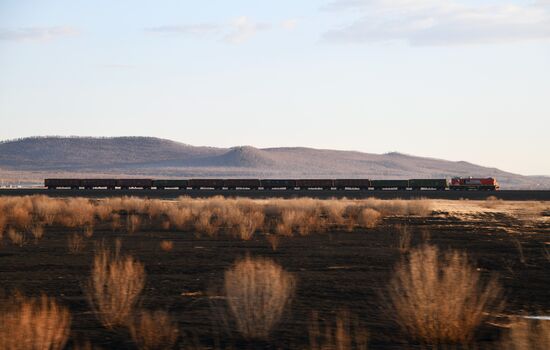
x: 167, y: 246
x: 527, y: 335
x: 420, y: 207
x: 133, y: 223
x: 274, y: 241
x: 369, y: 218
x: 346, y: 334
x: 37, y: 232
x: 115, y: 222
x: 492, y: 202
x: 3, y: 222
x: 257, y: 291
x: 89, y: 231
x: 153, y: 330
x: 21, y: 217
x: 248, y: 225
x: 114, y: 286
x: 15, y: 237
x: 439, y: 299
x: 33, y: 323
x: 75, y: 243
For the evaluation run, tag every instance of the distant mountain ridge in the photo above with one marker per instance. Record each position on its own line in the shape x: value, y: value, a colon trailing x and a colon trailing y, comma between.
x: 38, y: 157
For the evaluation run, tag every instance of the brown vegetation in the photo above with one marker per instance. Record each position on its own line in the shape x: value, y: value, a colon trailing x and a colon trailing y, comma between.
x: 527, y: 335
x: 153, y: 330
x: 15, y: 237
x: 167, y: 246
x: 346, y: 333
x: 257, y: 292
x: 439, y: 299
x: 75, y: 243
x: 33, y: 323
x: 240, y: 218
x: 114, y: 286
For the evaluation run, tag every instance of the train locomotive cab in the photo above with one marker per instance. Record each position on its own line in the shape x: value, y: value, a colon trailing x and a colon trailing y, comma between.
x: 472, y: 183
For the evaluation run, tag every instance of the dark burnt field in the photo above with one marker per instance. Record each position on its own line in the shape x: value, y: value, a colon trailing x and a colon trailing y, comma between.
x: 335, y: 271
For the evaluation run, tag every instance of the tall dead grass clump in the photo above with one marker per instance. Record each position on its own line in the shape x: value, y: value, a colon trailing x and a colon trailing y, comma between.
x: 37, y: 232
x: 75, y: 243
x: 273, y: 241
x: 492, y: 202
x: 369, y: 218
x: 133, y: 223
x: 33, y: 323
x: 346, y: 333
x: 248, y: 224
x: 16, y: 237
x: 420, y: 207
x: 257, y: 290
x: 527, y: 335
x: 114, y: 286
x: 440, y: 299
x: 153, y: 330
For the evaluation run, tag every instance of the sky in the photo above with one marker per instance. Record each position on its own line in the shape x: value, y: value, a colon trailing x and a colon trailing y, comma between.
x: 450, y: 79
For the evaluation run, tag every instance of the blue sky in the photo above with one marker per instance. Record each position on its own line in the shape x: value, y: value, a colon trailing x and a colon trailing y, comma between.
x: 459, y: 80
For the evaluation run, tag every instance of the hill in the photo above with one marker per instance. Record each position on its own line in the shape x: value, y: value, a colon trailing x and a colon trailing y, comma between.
x: 32, y: 159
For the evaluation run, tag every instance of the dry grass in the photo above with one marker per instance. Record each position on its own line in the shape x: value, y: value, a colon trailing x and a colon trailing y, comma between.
x: 75, y: 243
x: 240, y: 218
x: 273, y: 241
x: 527, y: 335
x: 114, y: 286
x: 37, y: 232
x: 167, y: 246
x: 369, y: 218
x: 33, y: 323
x: 257, y: 291
x: 88, y: 231
x: 439, y: 299
x: 405, y: 238
x: 154, y: 330
x: 15, y: 237
x: 345, y: 334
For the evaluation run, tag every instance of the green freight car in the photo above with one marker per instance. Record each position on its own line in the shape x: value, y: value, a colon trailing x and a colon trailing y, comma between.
x: 386, y: 184
x: 438, y: 184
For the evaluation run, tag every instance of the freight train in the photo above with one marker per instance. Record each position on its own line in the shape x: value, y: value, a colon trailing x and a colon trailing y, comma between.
x: 489, y: 184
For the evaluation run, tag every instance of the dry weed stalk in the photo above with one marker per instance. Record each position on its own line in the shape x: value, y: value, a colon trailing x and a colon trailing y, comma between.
x: 154, y: 330
x: 133, y: 223
x: 274, y: 241
x: 167, y: 246
x: 346, y: 334
x: 527, y: 335
x: 114, y: 286
x: 15, y: 237
x: 404, y: 243
x: 33, y: 323
x: 440, y: 299
x: 75, y: 243
x: 89, y: 231
x: 257, y: 291
x: 37, y: 232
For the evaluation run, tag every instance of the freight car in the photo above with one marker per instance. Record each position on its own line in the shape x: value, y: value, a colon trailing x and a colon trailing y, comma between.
x: 286, y: 184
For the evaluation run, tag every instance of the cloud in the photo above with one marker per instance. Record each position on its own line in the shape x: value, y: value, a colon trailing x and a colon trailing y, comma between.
x: 237, y: 31
x: 242, y: 29
x: 36, y: 33
x: 441, y: 22
x: 201, y: 29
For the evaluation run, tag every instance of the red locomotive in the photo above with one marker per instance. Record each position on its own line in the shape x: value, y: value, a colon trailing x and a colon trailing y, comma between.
x: 472, y: 183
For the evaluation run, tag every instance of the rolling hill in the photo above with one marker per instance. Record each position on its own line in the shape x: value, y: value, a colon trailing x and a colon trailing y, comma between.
x: 32, y: 159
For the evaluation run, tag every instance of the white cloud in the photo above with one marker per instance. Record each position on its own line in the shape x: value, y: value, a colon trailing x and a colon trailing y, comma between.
x: 441, y: 22
x: 36, y: 33
x: 235, y: 32
x: 242, y: 29
x: 289, y: 24
x: 201, y: 29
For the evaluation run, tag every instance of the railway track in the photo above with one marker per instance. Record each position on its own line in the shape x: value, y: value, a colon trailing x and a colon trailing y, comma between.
x: 519, y: 195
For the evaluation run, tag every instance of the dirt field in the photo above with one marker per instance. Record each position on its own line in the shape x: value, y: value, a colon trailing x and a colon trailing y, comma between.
x: 334, y: 271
